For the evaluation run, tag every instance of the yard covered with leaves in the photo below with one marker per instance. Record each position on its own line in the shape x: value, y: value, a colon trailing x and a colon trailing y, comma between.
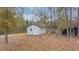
x: 51, y: 42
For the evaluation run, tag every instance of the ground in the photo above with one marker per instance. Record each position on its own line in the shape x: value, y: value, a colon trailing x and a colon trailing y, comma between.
x: 51, y: 42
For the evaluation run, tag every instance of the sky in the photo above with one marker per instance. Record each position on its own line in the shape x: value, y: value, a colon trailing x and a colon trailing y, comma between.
x: 29, y: 15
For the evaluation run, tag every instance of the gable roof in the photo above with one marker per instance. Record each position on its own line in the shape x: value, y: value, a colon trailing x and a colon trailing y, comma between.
x: 38, y: 24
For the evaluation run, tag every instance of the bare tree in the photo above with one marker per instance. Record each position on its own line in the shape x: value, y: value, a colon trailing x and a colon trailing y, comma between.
x: 59, y: 10
x: 78, y: 21
x: 70, y: 21
x: 66, y: 17
x: 52, y: 15
x: 42, y: 15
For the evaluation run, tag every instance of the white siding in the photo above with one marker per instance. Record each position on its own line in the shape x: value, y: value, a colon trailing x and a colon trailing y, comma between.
x: 35, y: 30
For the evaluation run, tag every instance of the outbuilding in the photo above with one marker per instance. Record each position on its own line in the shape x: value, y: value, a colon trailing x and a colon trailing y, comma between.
x: 73, y: 27
x: 35, y: 30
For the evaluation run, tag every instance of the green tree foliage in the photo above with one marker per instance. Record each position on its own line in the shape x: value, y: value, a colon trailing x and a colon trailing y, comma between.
x: 7, y: 20
x: 61, y: 23
x: 12, y: 22
x: 43, y: 22
x: 22, y: 25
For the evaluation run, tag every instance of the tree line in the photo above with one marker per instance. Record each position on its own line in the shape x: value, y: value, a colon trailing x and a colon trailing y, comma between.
x: 58, y: 18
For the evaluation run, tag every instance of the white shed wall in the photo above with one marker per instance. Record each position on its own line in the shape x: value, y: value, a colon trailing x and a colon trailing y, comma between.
x: 35, y: 30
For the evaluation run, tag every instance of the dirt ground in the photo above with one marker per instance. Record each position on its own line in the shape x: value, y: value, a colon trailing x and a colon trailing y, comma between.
x: 51, y: 42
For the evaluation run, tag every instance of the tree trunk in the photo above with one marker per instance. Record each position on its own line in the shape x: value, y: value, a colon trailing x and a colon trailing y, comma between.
x: 6, y: 37
x: 70, y: 21
x: 78, y: 21
x: 58, y: 24
x: 66, y: 22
